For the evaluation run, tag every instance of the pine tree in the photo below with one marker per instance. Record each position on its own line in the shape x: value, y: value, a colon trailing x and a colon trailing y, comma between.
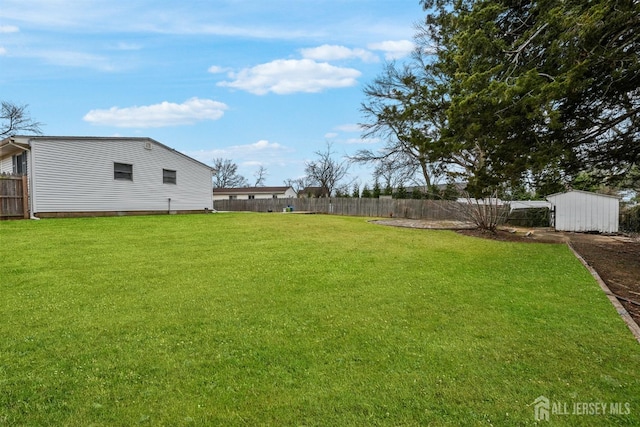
x: 401, y: 192
x: 366, y: 192
x: 376, y: 190
x: 356, y: 191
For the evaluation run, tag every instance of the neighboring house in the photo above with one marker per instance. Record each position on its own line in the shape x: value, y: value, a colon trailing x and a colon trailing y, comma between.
x: 249, y: 193
x: 89, y: 176
x: 583, y: 211
x: 312, y: 192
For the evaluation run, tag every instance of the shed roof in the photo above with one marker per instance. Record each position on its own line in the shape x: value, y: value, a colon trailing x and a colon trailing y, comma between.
x: 590, y: 193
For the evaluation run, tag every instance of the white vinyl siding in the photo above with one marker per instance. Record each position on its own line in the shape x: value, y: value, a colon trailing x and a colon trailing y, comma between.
x: 77, y: 175
x: 6, y: 165
x: 582, y: 211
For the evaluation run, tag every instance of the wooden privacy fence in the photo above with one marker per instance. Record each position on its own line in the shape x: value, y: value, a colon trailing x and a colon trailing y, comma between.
x: 439, y: 210
x: 14, y: 197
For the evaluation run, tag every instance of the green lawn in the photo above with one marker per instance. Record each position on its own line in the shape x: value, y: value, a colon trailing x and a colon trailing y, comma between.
x: 247, y: 319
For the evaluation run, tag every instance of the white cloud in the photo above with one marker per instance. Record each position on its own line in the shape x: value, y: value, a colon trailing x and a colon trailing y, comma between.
x: 245, y: 151
x: 127, y: 46
x: 215, y: 69
x: 158, y: 115
x: 263, y: 144
x: 74, y: 59
x: 4, y: 29
x: 351, y: 127
x: 261, y: 152
x: 394, y: 49
x: 285, y: 76
x: 328, y: 52
x: 362, y: 140
x: 3, y: 51
x: 252, y: 163
x: 330, y: 135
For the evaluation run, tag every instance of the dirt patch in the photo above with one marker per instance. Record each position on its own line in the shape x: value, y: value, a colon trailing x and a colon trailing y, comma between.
x: 615, y: 258
x: 617, y: 261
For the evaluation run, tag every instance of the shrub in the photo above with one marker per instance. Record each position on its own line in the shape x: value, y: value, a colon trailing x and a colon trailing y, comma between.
x: 630, y: 219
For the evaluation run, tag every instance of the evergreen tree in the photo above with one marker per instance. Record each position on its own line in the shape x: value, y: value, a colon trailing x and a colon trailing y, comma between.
x: 366, y: 192
x: 356, y: 191
x: 376, y: 190
x: 416, y: 193
x: 542, y: 88
x: 401, y: 192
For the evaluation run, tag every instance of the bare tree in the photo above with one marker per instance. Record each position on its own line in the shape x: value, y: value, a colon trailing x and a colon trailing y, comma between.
x: 15, y: 118
x: 298, y: 184
x: 396, y: 171
x: 260, y: 176
x: 225, y: 174
x: 326, y: 171
x: 404, y: 107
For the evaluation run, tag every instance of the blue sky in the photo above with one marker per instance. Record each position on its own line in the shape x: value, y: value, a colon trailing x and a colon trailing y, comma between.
x: 260, y: 82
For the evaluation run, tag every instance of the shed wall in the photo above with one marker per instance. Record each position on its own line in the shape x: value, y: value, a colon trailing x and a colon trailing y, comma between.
x: 584, y: 212
x: 77, y: 176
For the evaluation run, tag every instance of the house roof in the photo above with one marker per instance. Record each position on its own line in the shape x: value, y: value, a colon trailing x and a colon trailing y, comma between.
x: 26, y: 139
x: 590, y: 193
x: 312, y: 190
x: 251, y: 190
x: 9, y: 146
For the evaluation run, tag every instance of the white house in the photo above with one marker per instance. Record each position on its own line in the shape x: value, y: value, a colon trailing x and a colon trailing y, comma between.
x: 77, y: 176
x: 250, y: 193
x: 583, y: 211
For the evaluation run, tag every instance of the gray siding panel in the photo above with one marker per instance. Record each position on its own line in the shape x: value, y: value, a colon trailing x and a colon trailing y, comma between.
x: 6, y: 165
x: 77, y: 176
x: 582, y: 212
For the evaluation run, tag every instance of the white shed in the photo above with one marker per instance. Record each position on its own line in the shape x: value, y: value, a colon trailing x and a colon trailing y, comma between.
x: 583, y: 211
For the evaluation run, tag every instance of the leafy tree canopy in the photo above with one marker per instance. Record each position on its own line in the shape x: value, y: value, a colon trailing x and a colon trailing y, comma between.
x: 537, y: 89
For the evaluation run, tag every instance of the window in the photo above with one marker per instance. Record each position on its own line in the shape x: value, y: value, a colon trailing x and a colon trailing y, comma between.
x: 20, y: 164
x: 251, y: 197
x: 123, y: 171
x: 275, y: 196
x: 169, y: 176
x: 233, y: 197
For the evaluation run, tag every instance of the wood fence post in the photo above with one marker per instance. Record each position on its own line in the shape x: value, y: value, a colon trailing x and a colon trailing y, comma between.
x: 25, y: 196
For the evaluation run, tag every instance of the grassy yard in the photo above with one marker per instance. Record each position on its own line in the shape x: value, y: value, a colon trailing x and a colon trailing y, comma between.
x: 247, y: 319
